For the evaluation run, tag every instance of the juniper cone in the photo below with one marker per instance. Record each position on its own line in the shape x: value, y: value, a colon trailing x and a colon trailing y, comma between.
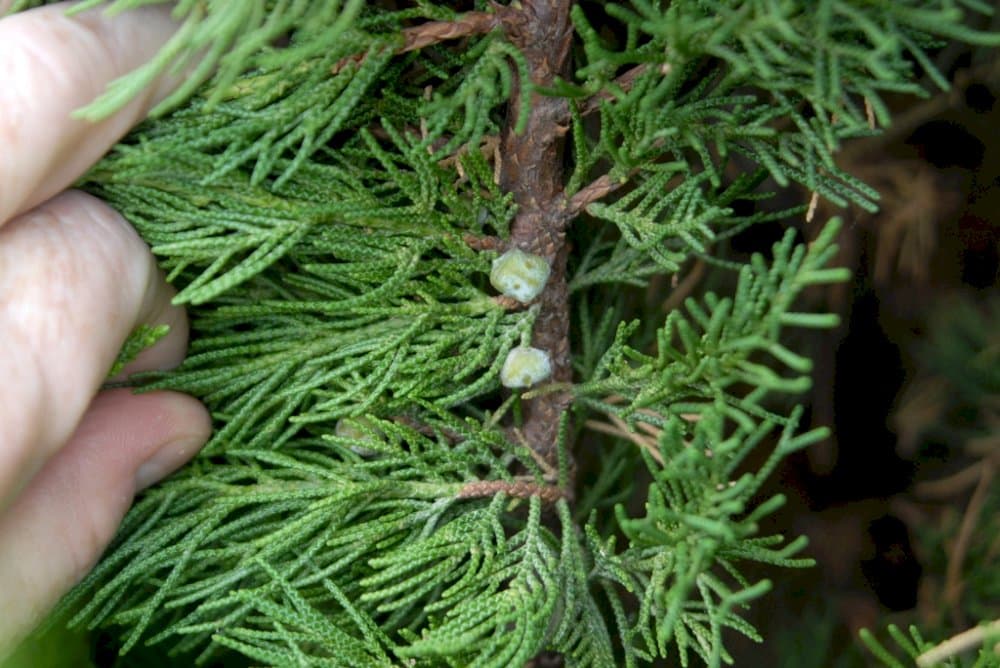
x: 329, y: 192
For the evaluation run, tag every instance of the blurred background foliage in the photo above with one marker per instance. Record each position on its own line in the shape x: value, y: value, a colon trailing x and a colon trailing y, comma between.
x: 902, y: 505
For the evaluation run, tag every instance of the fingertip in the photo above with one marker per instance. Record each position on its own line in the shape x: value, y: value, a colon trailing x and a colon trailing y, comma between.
x: 57, y: 528
x: 169, y: 351
x: 67, y: 61
x: 190, y: 425
x: 75, y: 280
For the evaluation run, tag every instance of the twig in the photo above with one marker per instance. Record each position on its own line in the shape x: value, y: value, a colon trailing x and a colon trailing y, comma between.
x: 623, y: 82
x: 612, y: 430
x: 622, y: 431
x: 489, y: 147
x: 616, y: 399
x: 435, y: 32
x: 428, y: 430
x: 953, y: 572
x: 478, y: 243
x: 955, y: 645
x: 644, y: 442
x: 531, y: 170
x: 685, y: 287
x: 598, y: 189
x: 650, y: 429
x: 509, y: 303
x: 550, y: 473
x: 951, y: 485
x: 603, y: 185
x: 520, y: 489
x: 813, y: 203
x: 870, y: 114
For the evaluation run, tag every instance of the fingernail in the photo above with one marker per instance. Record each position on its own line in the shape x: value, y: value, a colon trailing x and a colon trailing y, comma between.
x: 166, y: 460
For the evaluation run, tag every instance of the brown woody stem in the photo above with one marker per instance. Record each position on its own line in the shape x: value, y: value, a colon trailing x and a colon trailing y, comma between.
x: 516, y: 488
x: 531, y: 169
x: 624, y: 81
x: 435, y: 32
x: 600, y: 188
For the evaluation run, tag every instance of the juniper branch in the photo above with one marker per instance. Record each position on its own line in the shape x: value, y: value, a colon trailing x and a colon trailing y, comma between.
x: 330, y: 209
x: 598, y: 189
x: 532, y: 171
x: 430, y: 33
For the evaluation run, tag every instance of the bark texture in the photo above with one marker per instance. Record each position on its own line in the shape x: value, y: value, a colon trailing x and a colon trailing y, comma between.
x: 531, y: 169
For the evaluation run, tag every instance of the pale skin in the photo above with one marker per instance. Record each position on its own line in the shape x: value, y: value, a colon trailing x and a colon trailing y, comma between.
x: 75, y: 279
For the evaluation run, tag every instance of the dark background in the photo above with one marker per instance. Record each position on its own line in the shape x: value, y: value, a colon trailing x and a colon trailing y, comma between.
x: 899, y: 504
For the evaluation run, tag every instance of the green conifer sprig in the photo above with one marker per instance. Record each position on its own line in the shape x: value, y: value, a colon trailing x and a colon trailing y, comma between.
x: 328, y: 205
x: 314, y: 513
x: 718, y: 341
x: 219, y: 41
x: 912, y: 644
x: 378, y: 526
x: 703, y: 436
x: 811, y: 65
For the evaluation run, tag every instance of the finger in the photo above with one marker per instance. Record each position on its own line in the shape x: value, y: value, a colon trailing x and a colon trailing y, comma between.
x: 75, y: 279
x: 58, y: 527
x: 52, y: 64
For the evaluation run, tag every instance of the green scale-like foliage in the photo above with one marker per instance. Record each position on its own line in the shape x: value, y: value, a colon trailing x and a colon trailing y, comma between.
x: 312, y: 191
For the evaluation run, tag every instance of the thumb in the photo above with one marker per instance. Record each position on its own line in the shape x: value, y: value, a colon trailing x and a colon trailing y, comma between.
x: 60, y: 524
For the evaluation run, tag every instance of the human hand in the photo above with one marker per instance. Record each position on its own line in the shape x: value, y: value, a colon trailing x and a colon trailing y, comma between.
x: 75, y: 279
